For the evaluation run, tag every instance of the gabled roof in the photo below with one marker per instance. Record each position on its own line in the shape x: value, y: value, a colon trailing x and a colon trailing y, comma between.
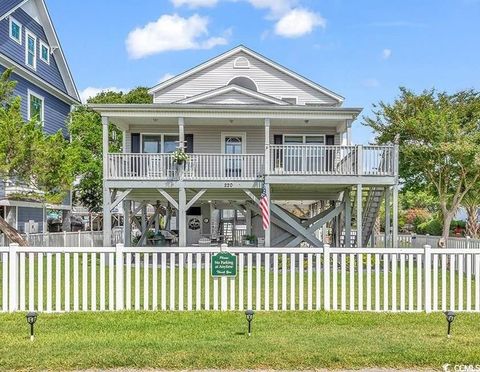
x: 233, y: 88
x: 250, y: 52
x: 52, y: 38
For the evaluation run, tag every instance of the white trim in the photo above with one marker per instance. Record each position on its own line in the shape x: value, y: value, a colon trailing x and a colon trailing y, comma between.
x: 243, y: 76
x: 230, y: 88
x: 32, y: 93
x: 30, y: 204
x: 162, y: 144
x: 43, y: 44
x: 16, y: 217
x: 27, y: 35
x: 13, y: 20
x: 241, y: 67
x: 304, y: 138
x: 253, y: 54
x: 235, y: 134
x: 290, y: 97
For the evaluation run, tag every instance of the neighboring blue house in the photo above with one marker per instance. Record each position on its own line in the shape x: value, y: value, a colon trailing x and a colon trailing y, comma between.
x: 29, y: 45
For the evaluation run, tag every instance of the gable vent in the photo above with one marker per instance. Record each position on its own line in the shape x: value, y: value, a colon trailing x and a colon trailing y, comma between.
x: 241, y: 62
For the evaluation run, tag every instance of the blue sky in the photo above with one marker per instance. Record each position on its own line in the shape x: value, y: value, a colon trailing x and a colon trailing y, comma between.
x: 363, y: 50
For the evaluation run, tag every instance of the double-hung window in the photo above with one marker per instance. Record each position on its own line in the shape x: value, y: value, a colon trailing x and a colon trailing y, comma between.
x: 158, y: 166
x: 30, y: 50
x: 36, y: 109
x: 16, y: 30
x: 304, y: 153
x: 44, y: 52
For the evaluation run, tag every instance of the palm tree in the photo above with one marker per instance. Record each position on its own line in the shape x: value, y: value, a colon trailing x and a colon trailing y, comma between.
x: 471, y: 202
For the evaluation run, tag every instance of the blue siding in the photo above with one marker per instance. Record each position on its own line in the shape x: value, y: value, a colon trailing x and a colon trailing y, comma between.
x: 26, y: 214
x: 56, y: 111
x: 15, y: 51
x: 6, y: 5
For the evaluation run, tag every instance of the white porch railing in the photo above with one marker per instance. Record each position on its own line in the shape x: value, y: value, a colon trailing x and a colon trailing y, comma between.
x: 224, y: 166
x: 349, y: 279
x: 141, y: 166
x: 331, y: 160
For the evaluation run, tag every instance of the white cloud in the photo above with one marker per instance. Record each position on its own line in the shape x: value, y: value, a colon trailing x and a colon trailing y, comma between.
x: 194, y: 3
x: 171, y: 32
x: 277, y: 8
x: 166, y: 77
x: 299, y: 22
x: 91, y: 92
x: 386, y: 53
x: 370, y: 83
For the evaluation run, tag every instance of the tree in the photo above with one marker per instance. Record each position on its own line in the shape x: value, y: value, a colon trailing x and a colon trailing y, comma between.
x: 439, y: 141
x: 471, y: 202
x: 86, y: 131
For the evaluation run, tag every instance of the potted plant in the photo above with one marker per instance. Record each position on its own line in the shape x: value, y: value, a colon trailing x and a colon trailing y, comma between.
x: 179, y: 156
x: 250, y: 239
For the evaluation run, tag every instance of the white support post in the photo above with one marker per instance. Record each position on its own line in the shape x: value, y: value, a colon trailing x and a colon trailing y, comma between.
x: 268, y: 231
x: 428, y: 286
x: 349, y: 132
x: 388, y: 227
x: 119, y: 303
x: 127, y: 227
x: 359, y: 215
x: 267, y: 146
x: 182, y: 217
x: 181, y: 133
x: 348, y: 219
x: 107, y: 217
x: 13, y: 278
x: 360, y: 160
x: 395, y: 216
x: 326, y: 277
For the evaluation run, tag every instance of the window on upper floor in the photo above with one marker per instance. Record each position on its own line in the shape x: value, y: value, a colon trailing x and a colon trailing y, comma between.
x: 291, y: 100
x: 241, y: 62
x: 30, y: 50
x: 16, y: 30
x: 44, y: 52
x: 36, y: 107
x: 245, y: 82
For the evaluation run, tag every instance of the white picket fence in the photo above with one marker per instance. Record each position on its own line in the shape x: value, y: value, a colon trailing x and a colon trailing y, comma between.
x: 418, y: 241
x: 349, y: 279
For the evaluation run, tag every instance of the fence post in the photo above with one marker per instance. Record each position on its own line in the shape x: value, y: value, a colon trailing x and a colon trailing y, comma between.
x: 326, y: 276
x: 428, y: 278
x: 119, y: 276
x: 359, y: 160
x: 13, y: 278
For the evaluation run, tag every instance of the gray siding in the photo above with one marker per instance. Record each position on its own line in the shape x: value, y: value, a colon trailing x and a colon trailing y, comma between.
x: 26, y: 214
x: 16, y: 52
x: 269, y: 81
x: 233, y: 98
x: 56, y: 111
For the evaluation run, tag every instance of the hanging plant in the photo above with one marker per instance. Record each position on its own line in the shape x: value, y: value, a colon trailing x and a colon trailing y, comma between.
x: 179, y: 156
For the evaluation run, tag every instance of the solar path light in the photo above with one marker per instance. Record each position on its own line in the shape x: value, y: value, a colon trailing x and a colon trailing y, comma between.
x: 31, y: 319
x: 450, y: 315
x: 249, y: 315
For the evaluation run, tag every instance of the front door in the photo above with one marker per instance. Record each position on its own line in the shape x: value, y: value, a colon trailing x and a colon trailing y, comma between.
x: 233, y: 148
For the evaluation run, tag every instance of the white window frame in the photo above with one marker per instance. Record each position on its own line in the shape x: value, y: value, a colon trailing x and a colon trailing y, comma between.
x: 243, y: 76
x: 31, y: 93
x: 27, y: 34
x: 235, y: 134
x: 304, y: 138
x: 162, y: 141
x: 290, y: 97
x: 43, y: 44
x: 13, y: 20
x: 235, y: 65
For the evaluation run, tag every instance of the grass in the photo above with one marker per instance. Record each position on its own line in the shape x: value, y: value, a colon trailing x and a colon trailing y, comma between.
x: 202, y: 340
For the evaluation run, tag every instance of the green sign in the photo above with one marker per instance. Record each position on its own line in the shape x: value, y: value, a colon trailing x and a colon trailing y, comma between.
x: 224, y: 264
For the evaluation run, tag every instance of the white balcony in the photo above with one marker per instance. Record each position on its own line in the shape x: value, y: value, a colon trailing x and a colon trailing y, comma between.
x: 284, y: 160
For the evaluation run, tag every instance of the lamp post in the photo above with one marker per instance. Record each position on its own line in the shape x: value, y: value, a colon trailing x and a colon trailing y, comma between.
x: 249, y: 315
x: 450, y: 315
x: 31, y: 319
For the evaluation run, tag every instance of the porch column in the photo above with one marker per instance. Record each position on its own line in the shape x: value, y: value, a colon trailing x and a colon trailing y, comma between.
x: 181, y: 133
x: 348, y: 219
x: 267, y: 146
x: 387, y: 217
x: 349, y: 132
x: 182, y: 217
x: 107, y: 216
x: 127, y: 207
x: 359, y: 214
x: 269, y: 229
x: 395, y: 216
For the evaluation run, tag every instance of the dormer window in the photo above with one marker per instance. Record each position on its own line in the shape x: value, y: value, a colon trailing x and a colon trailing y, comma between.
x: 44, y: 52
x: 30, y: 50
x: 245, y: 82
x: 241, y: 62
x: 16, y: 30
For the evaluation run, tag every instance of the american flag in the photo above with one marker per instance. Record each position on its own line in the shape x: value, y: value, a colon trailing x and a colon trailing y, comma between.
x: 265, y: 208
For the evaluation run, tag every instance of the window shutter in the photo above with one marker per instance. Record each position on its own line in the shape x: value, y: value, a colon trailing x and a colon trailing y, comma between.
x: 189, y: 141
x: 135, y: 145
x: 278, y: 139
x: 330, y: 139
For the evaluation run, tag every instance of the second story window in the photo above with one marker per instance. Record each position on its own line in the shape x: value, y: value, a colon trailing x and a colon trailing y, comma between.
x: 16, y: 30
x: 31, y: 50
x: 36, y: 110
x: 44, y: 52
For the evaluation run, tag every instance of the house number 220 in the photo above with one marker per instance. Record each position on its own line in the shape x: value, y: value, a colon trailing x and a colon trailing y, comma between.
x: 228, y: 185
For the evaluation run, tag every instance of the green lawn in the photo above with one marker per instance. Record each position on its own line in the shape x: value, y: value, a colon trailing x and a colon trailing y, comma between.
x: 187, y: 340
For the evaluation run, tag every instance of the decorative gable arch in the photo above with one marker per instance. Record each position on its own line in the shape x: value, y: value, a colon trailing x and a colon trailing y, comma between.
x: 244, y: 82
